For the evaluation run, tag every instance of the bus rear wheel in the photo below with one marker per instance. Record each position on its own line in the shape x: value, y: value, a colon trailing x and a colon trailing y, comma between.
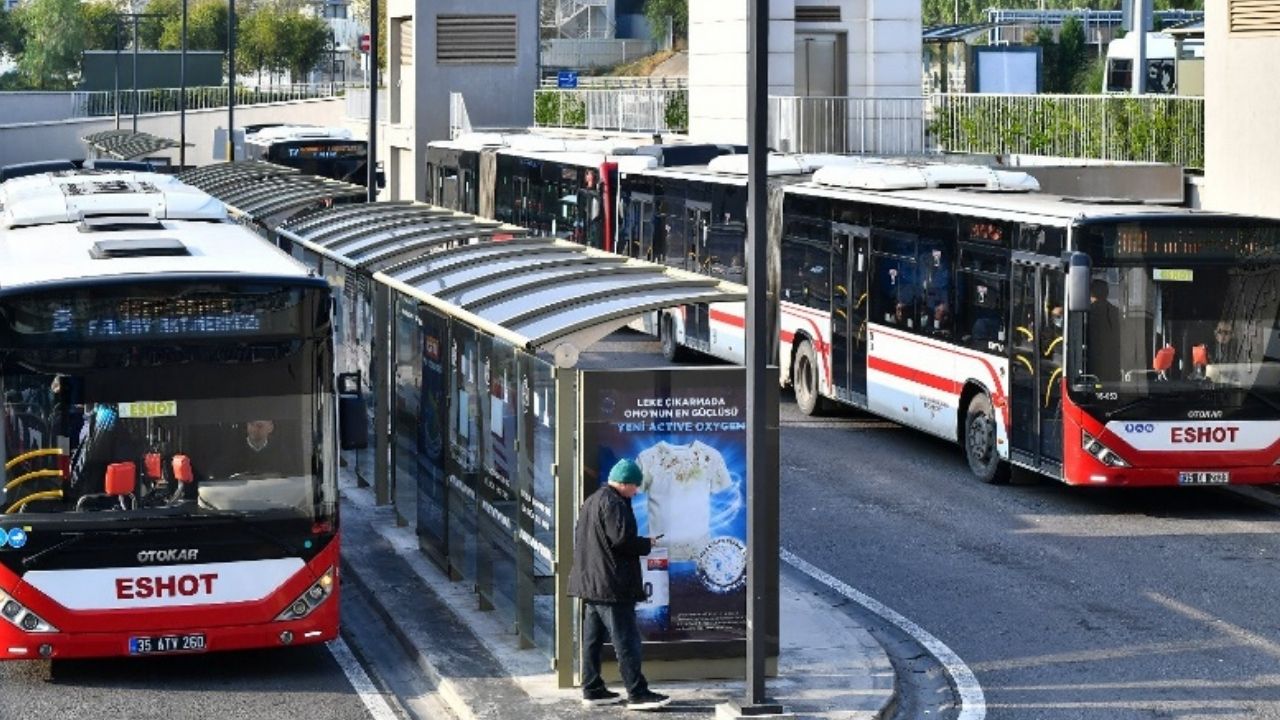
x: 980, y: 441
x: 671, y: 349
x: 804, y: 378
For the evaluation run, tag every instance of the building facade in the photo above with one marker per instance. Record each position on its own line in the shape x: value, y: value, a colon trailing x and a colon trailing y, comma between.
x: 1241, y: 107
x: 487, y: 50
x: 817, y: 49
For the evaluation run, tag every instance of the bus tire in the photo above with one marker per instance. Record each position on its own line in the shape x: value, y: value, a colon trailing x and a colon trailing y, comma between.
x: 804, y: 379
x: 980, y: 442
x: 671, y: 348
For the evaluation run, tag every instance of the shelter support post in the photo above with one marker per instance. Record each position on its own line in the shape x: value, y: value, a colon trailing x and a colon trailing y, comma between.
x: 567, y: 492
x: 383, y: 393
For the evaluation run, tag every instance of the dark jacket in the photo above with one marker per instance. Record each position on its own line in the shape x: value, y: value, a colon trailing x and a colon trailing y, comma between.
x: 607, y: 550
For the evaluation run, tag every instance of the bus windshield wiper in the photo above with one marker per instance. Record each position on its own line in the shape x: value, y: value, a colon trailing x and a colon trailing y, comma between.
x: 31, y: 560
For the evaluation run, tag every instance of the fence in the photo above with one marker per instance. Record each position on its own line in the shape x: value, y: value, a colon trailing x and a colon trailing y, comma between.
x: 844, y: 125
x: 1103, y: 127
x: 550, y: 82
x: 628, y: 109
x: 593, y: 53
x: 155, y: 100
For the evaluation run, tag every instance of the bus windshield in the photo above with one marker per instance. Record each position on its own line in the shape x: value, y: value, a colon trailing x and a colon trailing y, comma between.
x: 164, y: 425
x: 1186, y: 313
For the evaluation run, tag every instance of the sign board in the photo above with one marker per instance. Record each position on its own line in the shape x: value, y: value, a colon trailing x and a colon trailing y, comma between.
x: 567, y: 80
x: 364, y: 43
x: 687, y: 431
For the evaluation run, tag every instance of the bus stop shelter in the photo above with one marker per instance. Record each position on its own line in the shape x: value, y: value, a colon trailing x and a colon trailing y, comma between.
x: 268, y: 194
x: 125, y: 144
x: 489, y: 429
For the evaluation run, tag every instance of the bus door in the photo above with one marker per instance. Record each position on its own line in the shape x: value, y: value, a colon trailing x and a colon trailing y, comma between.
x: 697, y: 321
x: 637, y: 231
x: 1036, y: 356
x: 849, y: 261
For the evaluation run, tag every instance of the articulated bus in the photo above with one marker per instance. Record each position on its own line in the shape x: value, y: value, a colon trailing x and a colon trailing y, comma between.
x: 946, y: 308
x: 324, y: 151
x: 1100, y: 344
x: 557, y: 187
x: 168, y: 432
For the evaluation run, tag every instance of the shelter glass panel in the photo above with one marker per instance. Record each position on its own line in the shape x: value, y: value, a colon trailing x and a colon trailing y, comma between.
x: 465, y: 446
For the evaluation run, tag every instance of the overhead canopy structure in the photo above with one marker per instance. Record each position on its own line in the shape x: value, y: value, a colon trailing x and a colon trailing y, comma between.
x: 955, y: 33
x: 269, y: 193
x: 126, y: 144
x: 543, y: 295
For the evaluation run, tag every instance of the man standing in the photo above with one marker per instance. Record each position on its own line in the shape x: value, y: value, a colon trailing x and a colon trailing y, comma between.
x: 606, y: 577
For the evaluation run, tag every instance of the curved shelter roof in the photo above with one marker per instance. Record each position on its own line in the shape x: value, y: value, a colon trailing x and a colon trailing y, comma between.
x: 126, y: 144
x: 268, y: 193
x: 541, y: 294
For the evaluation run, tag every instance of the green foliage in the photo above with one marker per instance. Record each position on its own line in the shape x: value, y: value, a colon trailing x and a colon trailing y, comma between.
x: 206, y: 27
x: 54, y: 31
x: 151, y: 29
x: 559, y: 108
x: 303, y: 40
x: 101, y: 25
x: 12, y: 41
x: 657, y: 12
x: 1168, y: 129
x: 677, y: 114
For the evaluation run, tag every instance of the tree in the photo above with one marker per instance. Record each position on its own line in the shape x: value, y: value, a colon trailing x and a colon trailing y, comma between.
x: 12, y: 40
x: 360, y: 11
x: 150, y: 29
x: 102, y: 27
x: 206, y: 27
x: 255, y: 40
x: 658, y: 11
x: 54, y: 32
x: 303, y: 39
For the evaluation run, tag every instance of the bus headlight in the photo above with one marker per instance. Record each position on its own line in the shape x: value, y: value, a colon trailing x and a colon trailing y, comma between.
x: 20, y: 617
x: 1100, y: 452
x: 308, y: 601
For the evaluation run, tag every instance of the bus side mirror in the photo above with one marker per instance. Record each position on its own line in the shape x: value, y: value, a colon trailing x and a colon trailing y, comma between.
x: 1078, y: 275
x: 353, y: 413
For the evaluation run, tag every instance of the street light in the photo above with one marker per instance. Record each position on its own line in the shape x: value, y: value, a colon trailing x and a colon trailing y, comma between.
x: 231, y: 80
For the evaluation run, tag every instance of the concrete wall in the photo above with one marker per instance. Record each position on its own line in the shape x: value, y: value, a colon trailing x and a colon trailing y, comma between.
x: 882, y: 39
x: 1240, y: 151
x: 496, y: 95
x: 29, y: 107
x: 29, y: 142
x: 586, y: 54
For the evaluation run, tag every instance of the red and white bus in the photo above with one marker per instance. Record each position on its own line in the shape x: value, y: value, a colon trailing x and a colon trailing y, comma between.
x: 168, y: 426
x: 1096, y: 343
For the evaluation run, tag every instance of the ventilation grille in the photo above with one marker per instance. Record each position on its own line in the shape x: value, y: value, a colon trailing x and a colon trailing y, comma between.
x: 1250, y: 17
x: 476, y: 39
x: 406, y: 42
x: 109, y: 187
x: 817, y: 13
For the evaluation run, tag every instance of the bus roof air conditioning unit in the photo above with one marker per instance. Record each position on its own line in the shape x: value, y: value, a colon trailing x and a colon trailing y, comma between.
x: 137, y: 248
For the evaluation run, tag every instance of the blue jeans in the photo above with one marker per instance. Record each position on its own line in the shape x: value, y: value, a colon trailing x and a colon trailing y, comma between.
x: 617, y: 622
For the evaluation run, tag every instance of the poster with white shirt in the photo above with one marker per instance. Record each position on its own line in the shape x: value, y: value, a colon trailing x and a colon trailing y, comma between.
x: 687, y: 431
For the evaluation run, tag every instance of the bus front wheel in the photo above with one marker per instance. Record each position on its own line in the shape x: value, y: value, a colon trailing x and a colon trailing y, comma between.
x: 980, y: 441
x: 804, y: 377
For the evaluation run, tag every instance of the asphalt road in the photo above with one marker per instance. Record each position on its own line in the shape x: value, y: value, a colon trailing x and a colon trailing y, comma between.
x: 1065, y: 602
x: 288, y: 684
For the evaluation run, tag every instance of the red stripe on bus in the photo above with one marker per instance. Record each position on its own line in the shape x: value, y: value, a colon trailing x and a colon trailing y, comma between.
x: 728, y: 319
x: 920, y: 377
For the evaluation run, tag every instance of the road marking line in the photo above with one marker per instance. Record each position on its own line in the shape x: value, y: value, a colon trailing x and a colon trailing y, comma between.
x: 361, y: 682
x: 973, y: 704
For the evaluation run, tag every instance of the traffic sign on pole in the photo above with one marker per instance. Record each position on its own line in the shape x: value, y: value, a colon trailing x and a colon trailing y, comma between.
x: 364, y: 43
x: 567, y: 80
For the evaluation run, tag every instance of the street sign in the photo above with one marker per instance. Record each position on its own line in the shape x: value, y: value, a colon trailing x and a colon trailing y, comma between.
x: 364, y: 43
x: 567, y: 80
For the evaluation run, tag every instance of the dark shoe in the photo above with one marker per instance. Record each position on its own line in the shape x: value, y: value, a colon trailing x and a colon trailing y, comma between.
x: 647, y: 700
x: 602, y: 696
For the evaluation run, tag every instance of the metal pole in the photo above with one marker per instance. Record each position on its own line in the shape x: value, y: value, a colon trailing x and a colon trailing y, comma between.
x: 333, y: 62
x: 116, y: 88
x: 231, y: 81
x: 372, y: 153
x: 760, y: 478
x: 182, y: 94
x: 1141, y: 11
x: 135, y: 73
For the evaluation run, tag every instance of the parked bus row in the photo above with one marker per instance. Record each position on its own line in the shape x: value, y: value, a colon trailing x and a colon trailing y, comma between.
x: 168, y: 428
x: 1093, y: 341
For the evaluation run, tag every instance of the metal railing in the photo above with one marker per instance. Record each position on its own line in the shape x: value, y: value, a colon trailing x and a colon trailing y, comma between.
x: 623, y: 109
x: 358, y: 104
x: 609, y: 82
x: 844, y: 125
x: 459, y: 118
x: 1149, y: 128
x: 155, y: 100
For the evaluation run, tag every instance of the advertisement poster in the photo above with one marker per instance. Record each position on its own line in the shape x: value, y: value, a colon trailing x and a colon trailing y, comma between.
x: 432, y: 426
x: 687, y: 431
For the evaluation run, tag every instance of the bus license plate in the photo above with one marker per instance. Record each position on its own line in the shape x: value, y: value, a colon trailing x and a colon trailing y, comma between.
x: 155, y: 644
x: 1204, y: 478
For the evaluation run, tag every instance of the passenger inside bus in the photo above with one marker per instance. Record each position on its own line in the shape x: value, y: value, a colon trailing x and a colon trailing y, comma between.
x: 1104, y: 332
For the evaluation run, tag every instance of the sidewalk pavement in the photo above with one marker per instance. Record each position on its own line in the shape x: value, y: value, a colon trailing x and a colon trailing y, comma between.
x: 830, y: 667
